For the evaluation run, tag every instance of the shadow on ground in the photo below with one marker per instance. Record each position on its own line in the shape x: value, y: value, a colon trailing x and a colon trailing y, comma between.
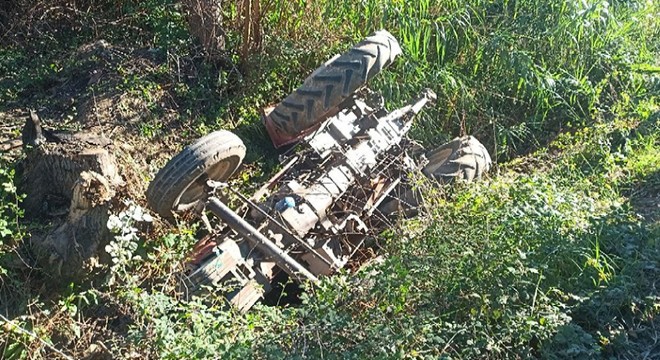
x: 621, y: 319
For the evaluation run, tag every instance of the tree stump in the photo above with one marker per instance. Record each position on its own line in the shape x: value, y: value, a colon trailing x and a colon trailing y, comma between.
x: 70, y: 182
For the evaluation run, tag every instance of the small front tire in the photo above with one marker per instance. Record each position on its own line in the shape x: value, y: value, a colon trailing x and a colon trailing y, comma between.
x: 182, y: 182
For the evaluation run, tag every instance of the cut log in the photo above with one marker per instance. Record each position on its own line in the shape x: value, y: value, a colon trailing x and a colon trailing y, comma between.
x: 52, y: 170
x: 70, y: 181
x: 65, y: 249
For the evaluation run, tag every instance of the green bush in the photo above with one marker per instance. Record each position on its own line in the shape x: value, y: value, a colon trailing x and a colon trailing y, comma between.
x: 11, y: 229
x: 525, y: 265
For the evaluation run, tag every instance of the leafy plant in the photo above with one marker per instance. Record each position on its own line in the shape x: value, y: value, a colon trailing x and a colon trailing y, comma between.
x: 11, y: 228
x: 123, y: 248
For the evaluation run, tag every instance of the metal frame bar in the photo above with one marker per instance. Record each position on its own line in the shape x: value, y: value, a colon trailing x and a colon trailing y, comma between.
x: 243, y: 228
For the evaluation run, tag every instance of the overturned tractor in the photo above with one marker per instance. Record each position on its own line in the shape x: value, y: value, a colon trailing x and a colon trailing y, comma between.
x: 330, y: 196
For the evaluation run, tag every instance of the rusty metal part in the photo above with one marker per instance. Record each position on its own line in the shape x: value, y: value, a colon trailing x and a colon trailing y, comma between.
x: 315, y: 213
x: 243, y: 228
x: 281, y: 226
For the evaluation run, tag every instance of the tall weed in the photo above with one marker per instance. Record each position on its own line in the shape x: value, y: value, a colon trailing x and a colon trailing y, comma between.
x: 514, y: 73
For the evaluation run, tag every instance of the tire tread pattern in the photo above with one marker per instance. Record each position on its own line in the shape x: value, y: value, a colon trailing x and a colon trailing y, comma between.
x: 467, y: 159
x: 331, y: 84
x: 191, y: 163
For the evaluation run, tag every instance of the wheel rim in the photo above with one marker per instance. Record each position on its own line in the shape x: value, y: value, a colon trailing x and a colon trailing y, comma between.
x: 196, y: 190
x: 438, y: 158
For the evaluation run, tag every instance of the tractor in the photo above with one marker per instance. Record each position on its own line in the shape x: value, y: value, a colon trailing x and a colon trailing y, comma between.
x: 344, y: 183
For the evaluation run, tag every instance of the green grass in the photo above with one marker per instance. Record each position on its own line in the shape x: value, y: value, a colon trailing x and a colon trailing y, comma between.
x: 554, y: 256
x: 524, y: 265
x: 553, y: 262
x: 514, y: 73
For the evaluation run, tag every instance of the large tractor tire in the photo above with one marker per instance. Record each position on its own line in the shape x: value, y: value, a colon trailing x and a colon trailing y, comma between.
x: 182, y: 182
x: 463, y: 158
x: 332, y: 83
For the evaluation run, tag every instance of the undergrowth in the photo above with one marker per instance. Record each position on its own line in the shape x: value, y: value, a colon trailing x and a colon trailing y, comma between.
x: 555, y: 255
x: 554, y: 262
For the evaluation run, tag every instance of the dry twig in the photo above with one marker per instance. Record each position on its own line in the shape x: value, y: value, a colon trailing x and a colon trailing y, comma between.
x: 16, y: 327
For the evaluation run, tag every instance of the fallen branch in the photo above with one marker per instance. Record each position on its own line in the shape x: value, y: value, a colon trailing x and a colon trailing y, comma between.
x: 10, y: 144
x: 14, y: 327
